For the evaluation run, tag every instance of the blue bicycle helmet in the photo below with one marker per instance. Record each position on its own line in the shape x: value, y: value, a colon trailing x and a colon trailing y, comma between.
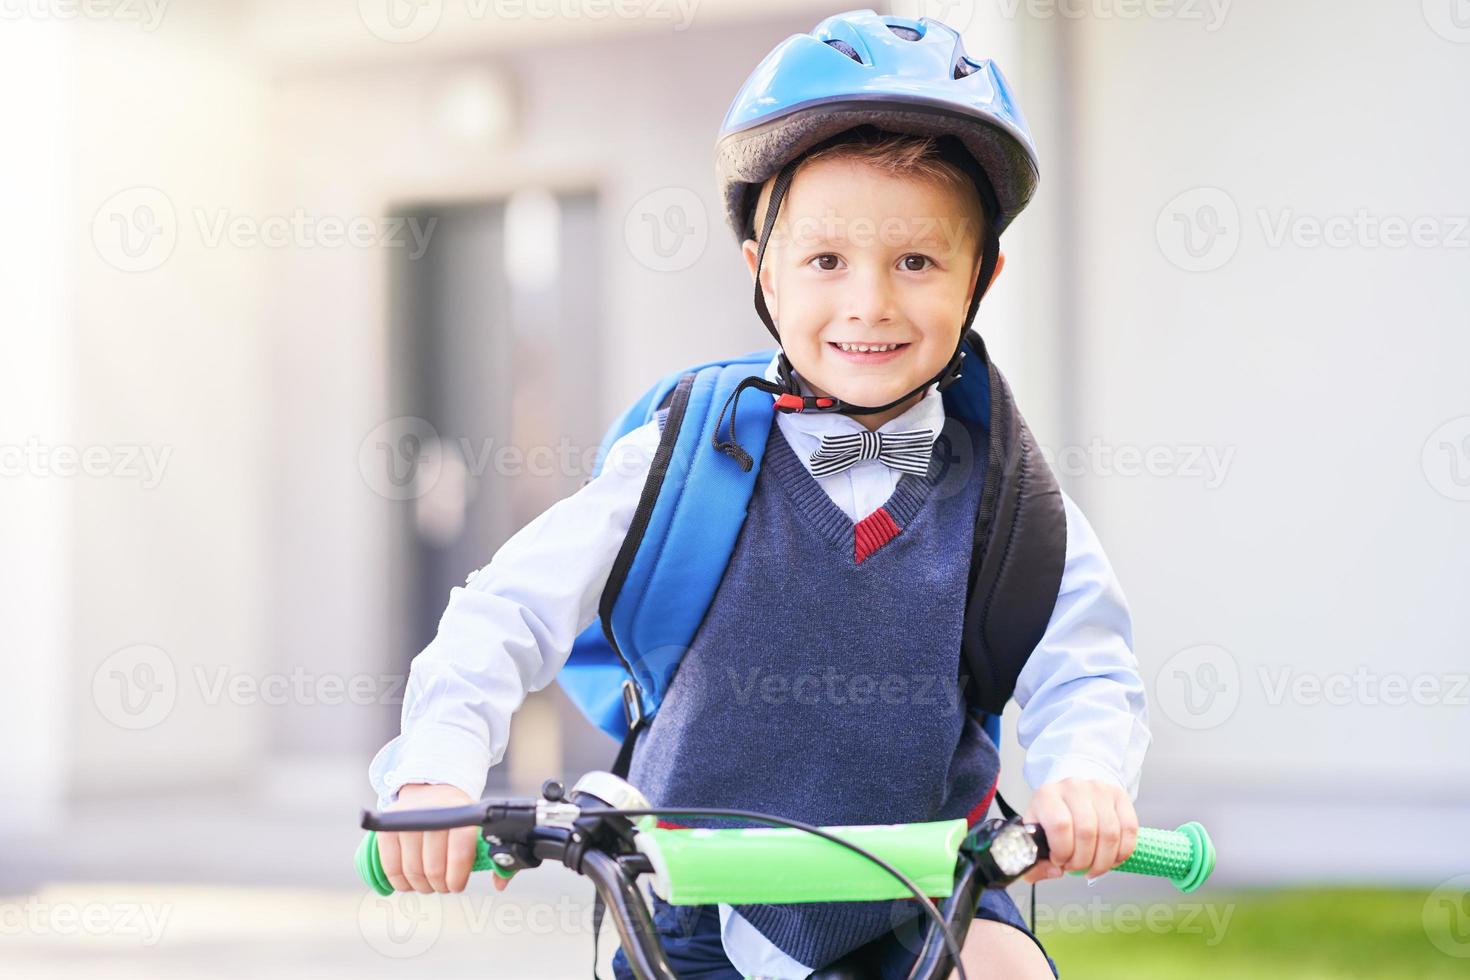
x: 892, y: 73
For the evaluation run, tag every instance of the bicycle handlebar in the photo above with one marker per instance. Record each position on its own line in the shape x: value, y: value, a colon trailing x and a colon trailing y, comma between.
x: 606, y: 830
x: 763, y: 865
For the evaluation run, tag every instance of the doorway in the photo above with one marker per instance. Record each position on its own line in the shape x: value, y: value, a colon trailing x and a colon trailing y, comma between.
x: 494, y: 355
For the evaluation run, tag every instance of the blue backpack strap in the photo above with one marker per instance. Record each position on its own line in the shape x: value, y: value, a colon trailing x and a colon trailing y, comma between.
x: 681, y: 538
x: 594, y: 673
x: 673, y: 558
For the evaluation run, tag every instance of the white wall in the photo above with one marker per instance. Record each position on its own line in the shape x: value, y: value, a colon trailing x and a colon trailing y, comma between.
x: 35, y: 509
x: 167, y: 359
x: 133, y: 531
x: 1323, y: 370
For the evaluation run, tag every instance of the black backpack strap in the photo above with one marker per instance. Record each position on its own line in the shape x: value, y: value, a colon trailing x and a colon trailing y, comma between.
x: 1020, y: 550
x: 632, y: 707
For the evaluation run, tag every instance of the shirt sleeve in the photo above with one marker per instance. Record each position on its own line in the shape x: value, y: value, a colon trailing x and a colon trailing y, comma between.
x: 1083, y: 707
x: 510, y: 628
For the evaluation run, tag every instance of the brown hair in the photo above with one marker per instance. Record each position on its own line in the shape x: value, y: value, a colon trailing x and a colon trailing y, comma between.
x: 911, y: 157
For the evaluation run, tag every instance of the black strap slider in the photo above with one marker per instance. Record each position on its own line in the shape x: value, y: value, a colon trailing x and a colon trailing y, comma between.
x: 632, y: 705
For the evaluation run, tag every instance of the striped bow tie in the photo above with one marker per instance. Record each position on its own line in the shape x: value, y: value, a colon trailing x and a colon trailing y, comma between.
x: 905, y: 451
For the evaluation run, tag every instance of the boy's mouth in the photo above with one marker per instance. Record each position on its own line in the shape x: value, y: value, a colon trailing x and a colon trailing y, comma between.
x: 867, y: 353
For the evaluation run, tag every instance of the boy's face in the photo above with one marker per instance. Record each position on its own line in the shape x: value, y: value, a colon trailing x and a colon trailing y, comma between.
x: 861, y: 256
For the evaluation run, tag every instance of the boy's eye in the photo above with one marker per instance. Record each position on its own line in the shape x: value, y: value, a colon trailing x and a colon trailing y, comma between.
x: 923, y: 262
x: 826, y: 261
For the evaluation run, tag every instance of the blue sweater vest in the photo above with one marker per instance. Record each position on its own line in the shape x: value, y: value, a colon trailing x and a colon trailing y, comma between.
x: 822, y: 685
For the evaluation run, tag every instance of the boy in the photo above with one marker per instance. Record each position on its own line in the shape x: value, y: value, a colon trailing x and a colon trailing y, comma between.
x: 870, y: 209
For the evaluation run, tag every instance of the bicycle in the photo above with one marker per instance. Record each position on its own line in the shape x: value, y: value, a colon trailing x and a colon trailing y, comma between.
x: 591, y: 832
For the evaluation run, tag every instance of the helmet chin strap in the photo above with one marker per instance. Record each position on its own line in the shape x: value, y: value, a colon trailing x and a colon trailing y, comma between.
x: 788, y: 391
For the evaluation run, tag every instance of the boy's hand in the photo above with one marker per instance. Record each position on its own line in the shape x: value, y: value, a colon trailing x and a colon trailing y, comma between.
x: 1090, y: 825
x: 431, y: 860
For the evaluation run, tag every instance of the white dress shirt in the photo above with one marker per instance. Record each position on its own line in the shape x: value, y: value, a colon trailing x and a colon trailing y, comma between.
x: 510, y: 629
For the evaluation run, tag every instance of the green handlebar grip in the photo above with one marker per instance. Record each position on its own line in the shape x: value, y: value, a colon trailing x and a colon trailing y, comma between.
x: 370, y: 868
x: 1185, y: 856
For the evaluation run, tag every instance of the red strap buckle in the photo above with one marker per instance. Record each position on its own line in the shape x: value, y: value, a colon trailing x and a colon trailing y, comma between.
x: 798, y: 403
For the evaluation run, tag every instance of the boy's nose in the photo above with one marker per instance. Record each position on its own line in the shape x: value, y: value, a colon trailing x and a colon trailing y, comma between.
x: 870, y: 298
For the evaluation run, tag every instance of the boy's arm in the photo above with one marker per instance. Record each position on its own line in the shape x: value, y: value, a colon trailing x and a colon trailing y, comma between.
x: 1083, y: 709
x: 510, y: 629
x: 1084, y: 721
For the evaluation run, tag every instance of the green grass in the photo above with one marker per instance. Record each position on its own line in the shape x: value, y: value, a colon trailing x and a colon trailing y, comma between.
x: 1303, y: 934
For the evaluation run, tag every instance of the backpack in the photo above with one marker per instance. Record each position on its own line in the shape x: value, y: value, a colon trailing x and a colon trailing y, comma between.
x: 693, y: 504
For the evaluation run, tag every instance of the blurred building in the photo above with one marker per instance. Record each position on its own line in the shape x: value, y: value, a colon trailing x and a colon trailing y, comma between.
x: 301, y: 274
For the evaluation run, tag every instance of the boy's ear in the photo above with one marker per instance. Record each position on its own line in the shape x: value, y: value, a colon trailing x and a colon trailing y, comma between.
x: 1000, y: 263
x: 750, y: 250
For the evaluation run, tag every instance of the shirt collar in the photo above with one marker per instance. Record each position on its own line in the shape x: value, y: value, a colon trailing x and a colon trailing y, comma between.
x: 804, y: 430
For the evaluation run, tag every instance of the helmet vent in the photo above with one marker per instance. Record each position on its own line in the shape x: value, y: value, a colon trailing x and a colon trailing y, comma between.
x: 907, y: 33
x: 847, y: 49
x: 963, y: 68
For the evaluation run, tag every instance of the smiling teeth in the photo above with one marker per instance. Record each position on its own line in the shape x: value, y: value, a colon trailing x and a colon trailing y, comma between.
x: 866, y: 348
